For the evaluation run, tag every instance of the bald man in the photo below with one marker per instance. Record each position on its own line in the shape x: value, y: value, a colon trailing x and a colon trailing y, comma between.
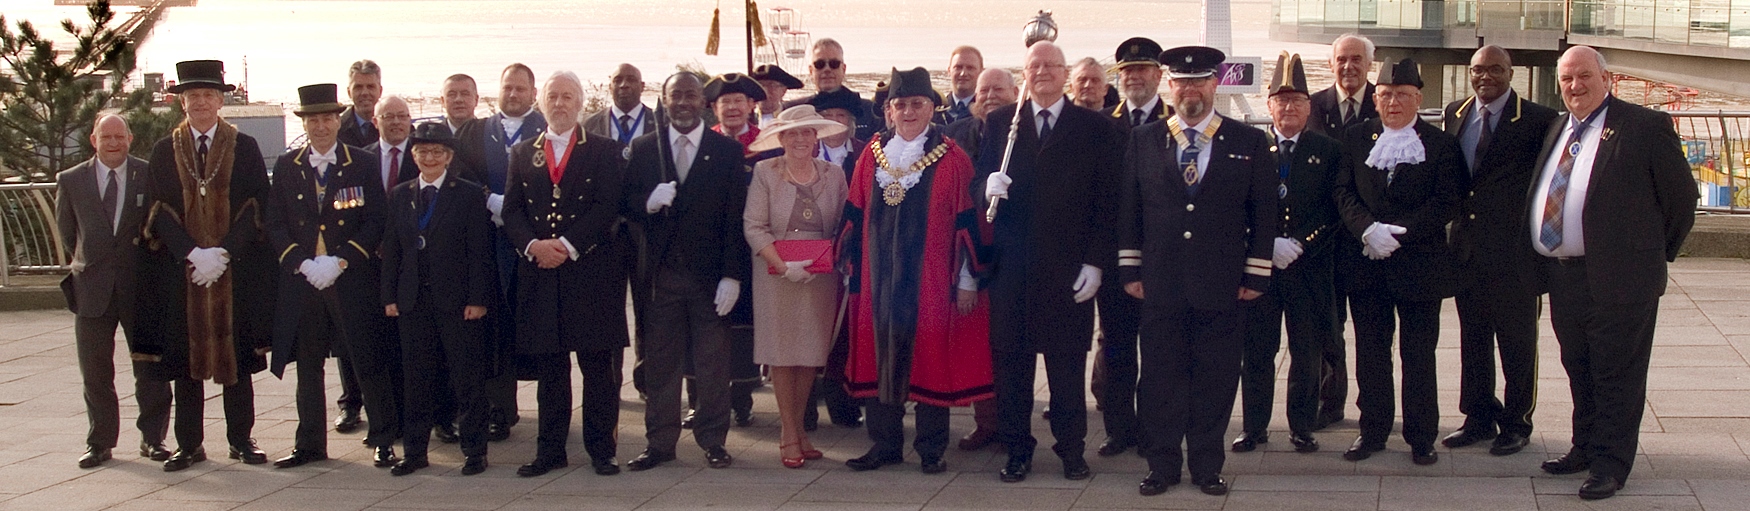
x: 628, y: 118
x: 996, y: 89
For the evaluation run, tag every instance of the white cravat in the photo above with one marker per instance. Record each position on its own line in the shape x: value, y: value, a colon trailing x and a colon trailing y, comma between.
x: 560, y: 143
x: 321, y: 161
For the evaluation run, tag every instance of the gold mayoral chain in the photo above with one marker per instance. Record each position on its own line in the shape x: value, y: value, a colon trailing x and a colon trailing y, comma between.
x: 894, y: 193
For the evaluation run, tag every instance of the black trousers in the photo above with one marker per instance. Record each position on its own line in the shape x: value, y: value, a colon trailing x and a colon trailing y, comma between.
x: 1190, y: 371
x: 349, y: 386
x: 1065, y: 376
x: 441, y: 345
x: 1334, y: 372
x: 189, y: 400
x: 501, y: 380
x: 601, y: 402
x: 376, y: 354
x: 1119, y: 322
x: 1301, y: 293
x: 887, y: 429
x: 1496, y: 310
x: 319, y: 332
x: 94, y: 341
x: 1377, y: 315
x: 682, y: 321
x: 1605, y: 349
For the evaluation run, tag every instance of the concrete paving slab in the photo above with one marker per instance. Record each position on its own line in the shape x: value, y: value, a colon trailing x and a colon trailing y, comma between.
x: 1456, y: 493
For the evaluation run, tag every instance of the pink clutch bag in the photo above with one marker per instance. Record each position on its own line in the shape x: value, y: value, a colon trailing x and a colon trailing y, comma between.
x: 820, y: 251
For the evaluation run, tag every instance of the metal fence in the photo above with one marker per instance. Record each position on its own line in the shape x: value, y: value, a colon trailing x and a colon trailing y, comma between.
x: 1718, y: 147
x: 29, y: 237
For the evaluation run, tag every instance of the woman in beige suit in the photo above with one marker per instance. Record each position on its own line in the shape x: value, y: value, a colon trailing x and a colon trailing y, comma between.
x: 793, y: 197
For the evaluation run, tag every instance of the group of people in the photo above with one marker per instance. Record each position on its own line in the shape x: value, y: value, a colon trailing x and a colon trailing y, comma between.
x: 921, y: 249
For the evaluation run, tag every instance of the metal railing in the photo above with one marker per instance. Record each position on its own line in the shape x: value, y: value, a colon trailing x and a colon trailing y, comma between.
x: 29, y: 238
x: 1717, y: 144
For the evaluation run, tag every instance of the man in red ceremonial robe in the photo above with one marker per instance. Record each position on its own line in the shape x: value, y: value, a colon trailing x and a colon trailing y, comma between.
x: 919, y: 325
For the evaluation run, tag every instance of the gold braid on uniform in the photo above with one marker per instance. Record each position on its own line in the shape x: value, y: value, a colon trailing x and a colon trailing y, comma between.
x: 894, y: 193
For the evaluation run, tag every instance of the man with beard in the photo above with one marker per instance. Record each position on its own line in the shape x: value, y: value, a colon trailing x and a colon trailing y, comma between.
x: 1051, y: 237
x: 965, y: 65
x: 364, y: 85
x: 1139, y: 84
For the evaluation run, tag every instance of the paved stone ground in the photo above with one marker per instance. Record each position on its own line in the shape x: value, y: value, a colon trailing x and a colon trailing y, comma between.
x: 1694, y: 444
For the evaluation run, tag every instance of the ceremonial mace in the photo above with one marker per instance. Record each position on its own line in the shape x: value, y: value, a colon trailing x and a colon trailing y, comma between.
x: 1040, y: 28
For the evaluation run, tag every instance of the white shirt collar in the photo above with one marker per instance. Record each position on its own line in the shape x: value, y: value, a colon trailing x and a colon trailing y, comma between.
x: 1149, y: 107
x: 1280, y: 138
x: 967, y: 100
x: 316, y: 159
x: 1343, y: 95
x: 1056, y: 109
x: 698, y: 132
x: 386, y: 146
x: 121, y: 171
x: 1202, y: 126
x: 617, y: 112
x: 208, y: 133
x: 439, y: 183
x: 561, y: 138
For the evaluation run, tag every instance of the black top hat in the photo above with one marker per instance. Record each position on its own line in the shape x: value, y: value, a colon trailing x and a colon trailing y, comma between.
x: 842, y: 99
x: 734, y: 83
x: 1290, y: 75
x: 433, y: 133
x: 1192, y: 61
x: 1405, y: 72
x: 201, y: 74
x: 321, y: 98
x: 777, y: 74
x: 1138, y: 51
x: 915, y: 82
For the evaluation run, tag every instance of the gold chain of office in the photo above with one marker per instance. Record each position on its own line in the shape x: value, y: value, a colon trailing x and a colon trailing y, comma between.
x: 894, y: 193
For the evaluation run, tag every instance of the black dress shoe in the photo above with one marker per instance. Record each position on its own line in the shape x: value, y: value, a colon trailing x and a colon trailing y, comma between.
x: 94, y: 456
x: 605, y: 466
x: 446, y: 433
x: 1214, y: 486
x: 1075, y: 468
x: 384, y: 457
x: 1303, y: 442
x: 348, y: 421
x: 1467, y: 436
x: 184, y: 459
x: 873, y: 460
x: 496, y: 432
x: 689, y: 418
x: 249, y: 454
x: 474, y: 464
x: 717, y: 457
x: 541, y: 466
x: 1156, y: 483
x: 154, y: 452
x: 408, y: 466
x: 1016, y: 470
x: 743, y: 418
x: 1248, y: 442
x: 1114, y: 447
x: 648, y: 460
x: 1509, y: 443
x: 299, y: 458
x: 935, y: 466
x: 1362, y: 449
x: 1569, y: 463
x: 1599, y: 486
x: 1424, y: 455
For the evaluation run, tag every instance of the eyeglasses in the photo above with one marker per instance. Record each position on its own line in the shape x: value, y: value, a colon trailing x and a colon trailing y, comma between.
x: 913, y: 103
x: 828, y: 63
x: 1487, y: 70
x: 1388, y: 97
x: 395, y: 117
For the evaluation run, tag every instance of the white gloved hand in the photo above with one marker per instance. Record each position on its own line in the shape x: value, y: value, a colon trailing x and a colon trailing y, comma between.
x: 997, y: 186
x: 323, y: 272
x: 209, y: 265
x: 797, y: 271
x: 334, y: 268
x: 309, y: 270
x: 1381, y: 239
x: 495, y: 204
x: 728, y: 290
x: 1287, y: 250
x: 661, y: 197
x: 1087, y: 284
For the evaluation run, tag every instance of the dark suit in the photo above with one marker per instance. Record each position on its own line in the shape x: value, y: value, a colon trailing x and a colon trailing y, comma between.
x: 631, y: 240
x: 355, y: 132
x: 1639, y: 206
x: 1193, y: 249
x: 102, y: 292
x: 599, y: 123
x: 344, y: 219
x: 1497, y: 296
x: 430, y: 285
x: 1122, y: 114
x: 966, y: 133
x: 1407, y: 287
x: 692, y: 245
x: 579, y: 306
x: 1054, y: 222
x: 405, y: 168
x: 952, y: 111
x: 1326, y: 118
x: 1300, y: 293
x: 1115, y: 365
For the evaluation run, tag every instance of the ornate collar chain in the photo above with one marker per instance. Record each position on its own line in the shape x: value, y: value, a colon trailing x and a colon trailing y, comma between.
x: 899, y: 180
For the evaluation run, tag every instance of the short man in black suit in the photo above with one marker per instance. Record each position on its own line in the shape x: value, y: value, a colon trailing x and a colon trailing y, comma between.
x: 1499, y: 132
x: 99, y: 205
x: 1344, y: 105
x: 1198, y: 200
x: 1300, y: 290
x: 364, y: 86
x: 437, y: 280
x: 1399, y: 186
x: 685, y: 188
x: 1612, y: 202
x: 325, y: 217
x: 1051, y: 237
x: 561, y: 200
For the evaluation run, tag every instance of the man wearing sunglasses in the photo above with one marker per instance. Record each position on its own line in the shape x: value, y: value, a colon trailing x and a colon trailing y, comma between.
x: 828, y: 75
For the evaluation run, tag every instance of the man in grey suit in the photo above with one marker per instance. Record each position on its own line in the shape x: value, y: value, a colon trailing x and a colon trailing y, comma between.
x: 98, y: 223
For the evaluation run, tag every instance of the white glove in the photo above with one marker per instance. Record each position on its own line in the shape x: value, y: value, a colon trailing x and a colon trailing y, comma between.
x: 661, y: 197
x: 495, y: 204
x: 322, y: 271
x: 334, y: 269
x: 1087, y: 284
x: 728, y: 290
x: 1381, y: 239
x: 209, y: 264
x: 309, y: 270
x: 797, y: 271
x: 1287, y: 250
x: 997, y: 186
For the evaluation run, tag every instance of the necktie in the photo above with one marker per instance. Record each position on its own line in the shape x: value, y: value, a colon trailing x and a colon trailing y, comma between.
x: 625, y: 129
x: 1188, y: 159
x: 1486, y: 134
x: 1044, y: 125
x: 394, y: 168
x: 683, y: 157
x: 1349, y: 109
x: 1551, y: 234
x: 1285, y: 161
x: 1136, y: 117
x: 426, y: 195
x: 110, y: 199
x: 201, y: 156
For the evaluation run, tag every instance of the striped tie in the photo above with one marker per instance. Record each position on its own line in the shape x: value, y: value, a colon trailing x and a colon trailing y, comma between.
x: 1551, y: 234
